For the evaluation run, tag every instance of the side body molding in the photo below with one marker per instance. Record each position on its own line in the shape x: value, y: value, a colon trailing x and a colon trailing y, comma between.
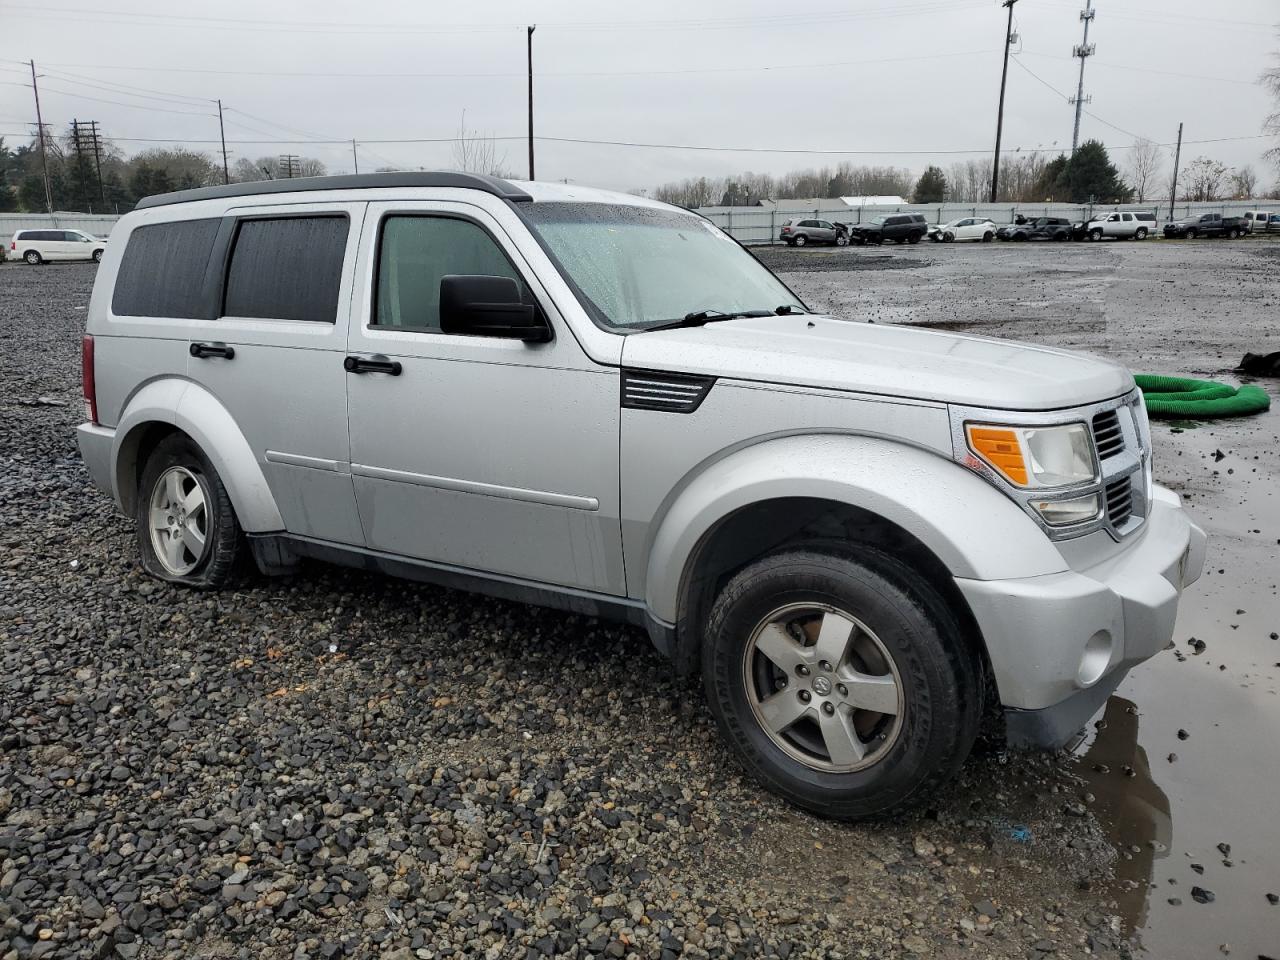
x: 197, y: 413
x: 968, y: 524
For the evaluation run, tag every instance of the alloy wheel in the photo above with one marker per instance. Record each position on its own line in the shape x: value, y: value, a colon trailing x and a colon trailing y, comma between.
x: 179, y: 521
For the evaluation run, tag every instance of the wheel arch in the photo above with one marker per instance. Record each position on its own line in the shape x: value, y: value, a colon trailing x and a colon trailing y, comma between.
x: 912, y: 503
x: 169, y: 406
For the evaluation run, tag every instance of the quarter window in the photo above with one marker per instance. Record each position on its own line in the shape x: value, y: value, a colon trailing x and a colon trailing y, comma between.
x: 286, y: 269
x: 415, y: 253
x: 162, y: 270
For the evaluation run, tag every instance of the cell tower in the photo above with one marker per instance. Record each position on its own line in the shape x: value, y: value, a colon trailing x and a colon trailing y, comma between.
x: 1084, y: 50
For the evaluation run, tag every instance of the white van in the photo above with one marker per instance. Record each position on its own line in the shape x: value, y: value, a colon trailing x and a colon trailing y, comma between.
x: 41, y: 246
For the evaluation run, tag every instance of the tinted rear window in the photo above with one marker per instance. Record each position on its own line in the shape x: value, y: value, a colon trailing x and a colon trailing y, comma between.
x: 287, y: 269
x: 162, y: 270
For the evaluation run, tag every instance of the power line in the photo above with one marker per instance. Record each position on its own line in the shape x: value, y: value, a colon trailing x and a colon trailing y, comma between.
x: 752, y: 68
x: 1067, y: 97
x: 121, y: 103
x: 138, y: 18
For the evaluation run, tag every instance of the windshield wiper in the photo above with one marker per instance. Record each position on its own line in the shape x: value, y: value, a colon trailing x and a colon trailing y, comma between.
x: 700, y: 318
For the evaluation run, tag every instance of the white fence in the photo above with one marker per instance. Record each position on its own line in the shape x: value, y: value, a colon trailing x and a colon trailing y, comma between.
x: 758, y: 225
x: 98, y: 224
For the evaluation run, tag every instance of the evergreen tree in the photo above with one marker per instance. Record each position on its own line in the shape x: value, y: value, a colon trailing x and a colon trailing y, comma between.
x: 931, y: 187
x: 1089, y: 176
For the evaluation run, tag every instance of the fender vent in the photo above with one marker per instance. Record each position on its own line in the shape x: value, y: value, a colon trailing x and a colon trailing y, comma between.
x: 672, y: 392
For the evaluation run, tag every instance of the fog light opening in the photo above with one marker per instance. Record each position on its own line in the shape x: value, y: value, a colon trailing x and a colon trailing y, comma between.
x: 1097, y: 654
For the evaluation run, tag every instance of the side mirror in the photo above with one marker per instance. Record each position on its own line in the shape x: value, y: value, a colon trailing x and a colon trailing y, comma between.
x: 489, y: 307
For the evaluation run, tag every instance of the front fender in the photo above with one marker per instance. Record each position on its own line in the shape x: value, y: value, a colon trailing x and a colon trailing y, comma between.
x: 973, y: 529
x: 196, y: 412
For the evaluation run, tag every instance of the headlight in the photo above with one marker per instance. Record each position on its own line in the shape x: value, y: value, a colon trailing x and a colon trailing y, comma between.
x: 1035, y: 458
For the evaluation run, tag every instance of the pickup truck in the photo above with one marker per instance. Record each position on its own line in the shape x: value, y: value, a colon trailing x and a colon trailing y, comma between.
x: 1206, y: 225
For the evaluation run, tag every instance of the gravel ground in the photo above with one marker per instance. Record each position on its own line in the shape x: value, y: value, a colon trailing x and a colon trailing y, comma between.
x: 340, y: 765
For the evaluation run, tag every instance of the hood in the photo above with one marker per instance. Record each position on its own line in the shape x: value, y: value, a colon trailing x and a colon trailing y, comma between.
x: 815, y: 351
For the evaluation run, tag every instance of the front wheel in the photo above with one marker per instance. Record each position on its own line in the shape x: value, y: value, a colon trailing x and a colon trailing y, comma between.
x: 1191, y: 234
x: 948, y: 237
x: 97, y: 256
x: 840, y: 680
x: 186, y: 527
x: 988, y: 237
x: 1095, y: 234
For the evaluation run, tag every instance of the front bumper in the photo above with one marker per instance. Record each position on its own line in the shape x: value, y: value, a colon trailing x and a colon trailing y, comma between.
x: 1059, y: 644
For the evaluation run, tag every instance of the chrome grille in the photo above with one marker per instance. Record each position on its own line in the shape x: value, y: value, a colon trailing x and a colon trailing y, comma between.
x: 671, y: 392
x: 1119, y: 501
x: 1107, y: 435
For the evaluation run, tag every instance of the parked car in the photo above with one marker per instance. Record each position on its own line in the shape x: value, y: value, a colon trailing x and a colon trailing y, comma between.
x: 1257, y: 221
x: 895, y: 227
x: 599, y: 402
x: 1205, y: 225
x: 966, y: 228
x: 797, y: 232
x: 40, y: 246
x: 1042, y: 228
x: 1121, y: 225
x: 1273, y: 224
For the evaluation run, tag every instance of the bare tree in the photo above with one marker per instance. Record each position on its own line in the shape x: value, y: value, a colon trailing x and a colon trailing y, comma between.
x: 1204, y: 179
x: 475, y: 152
x: 1244, y: 182
x: 1271, y: 80
x: 1145, y: 161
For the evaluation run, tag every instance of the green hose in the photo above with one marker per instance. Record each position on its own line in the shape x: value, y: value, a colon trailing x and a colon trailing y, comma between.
x: 1179, y: 398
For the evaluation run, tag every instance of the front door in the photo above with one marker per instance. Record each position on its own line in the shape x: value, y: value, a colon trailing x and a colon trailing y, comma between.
x: 487, y: 454
x: 274, y: 356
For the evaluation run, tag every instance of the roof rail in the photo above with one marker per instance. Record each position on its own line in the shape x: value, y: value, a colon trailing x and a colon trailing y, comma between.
x: 360, y: 181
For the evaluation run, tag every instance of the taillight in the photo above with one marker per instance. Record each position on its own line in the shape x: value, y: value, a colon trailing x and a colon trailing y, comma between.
x: 86, y: 379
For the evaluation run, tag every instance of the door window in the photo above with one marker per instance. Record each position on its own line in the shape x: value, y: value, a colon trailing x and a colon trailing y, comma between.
x: 415, y: 253
x: 287, y: 268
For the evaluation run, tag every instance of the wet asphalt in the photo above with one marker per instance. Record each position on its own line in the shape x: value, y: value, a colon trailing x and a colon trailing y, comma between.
x: 1184, y: 765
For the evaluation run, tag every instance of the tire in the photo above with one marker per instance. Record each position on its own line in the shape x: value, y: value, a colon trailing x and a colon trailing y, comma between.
x: 1061, y: 236
x: 1095, y: 234
x: 181, y: 495
x: 900, y: 240
x: 906, y: 638
x: 842, y: 241
x: 97, y: 256
x: 33, y: 257
x: 789, y: 243
x: 800, y: 240
x: 1140, y: 233
x: 948, y: 237
x: 913, y: 239
x: 1019, y: 238
x: 988, y: 237
x: 1191, y: 233
x: 1237, y: 233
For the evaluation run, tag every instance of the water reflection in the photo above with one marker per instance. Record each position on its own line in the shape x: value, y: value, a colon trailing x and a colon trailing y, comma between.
x: 1129, y: 804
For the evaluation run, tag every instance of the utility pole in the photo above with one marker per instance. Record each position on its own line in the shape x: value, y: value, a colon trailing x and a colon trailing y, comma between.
x: 530, y: 41
x: 222, y: 132
x: 75, y: 137
x: 1173, y: 187
x: 1084, y: 51
x: 1004, y: 76
x: 44, y: 159
x: 97, y: 161
x: 355, y: 157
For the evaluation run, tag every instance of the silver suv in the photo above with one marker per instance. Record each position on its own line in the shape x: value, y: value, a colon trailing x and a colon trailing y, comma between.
x: 797, y: 232
x: 867, y: 538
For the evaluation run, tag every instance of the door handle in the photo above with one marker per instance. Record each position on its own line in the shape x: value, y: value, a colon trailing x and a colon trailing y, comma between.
x: 353, y: 364
x: 203, y: 350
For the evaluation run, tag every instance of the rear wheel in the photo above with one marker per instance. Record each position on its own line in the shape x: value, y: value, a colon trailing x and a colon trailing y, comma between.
x: 840, y: 681
x: 1140, y: 234
x: 801, y: 240
x: 914, y: 238
x: 186, y: 527
x: 32, y: 257
x: 1237, y: 233
x: 842, y: 240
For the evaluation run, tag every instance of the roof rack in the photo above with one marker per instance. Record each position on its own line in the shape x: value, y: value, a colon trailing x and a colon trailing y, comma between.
x: 360, y: 181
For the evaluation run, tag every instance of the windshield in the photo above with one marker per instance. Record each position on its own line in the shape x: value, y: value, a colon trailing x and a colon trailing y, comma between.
x: 635, y: 267
x: 876, y: 220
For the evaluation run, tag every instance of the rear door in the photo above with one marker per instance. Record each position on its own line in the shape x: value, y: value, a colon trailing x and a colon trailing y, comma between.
x: 274, y: 356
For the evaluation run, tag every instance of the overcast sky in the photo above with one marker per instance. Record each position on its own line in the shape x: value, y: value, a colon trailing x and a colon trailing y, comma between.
x: 904, y: 80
